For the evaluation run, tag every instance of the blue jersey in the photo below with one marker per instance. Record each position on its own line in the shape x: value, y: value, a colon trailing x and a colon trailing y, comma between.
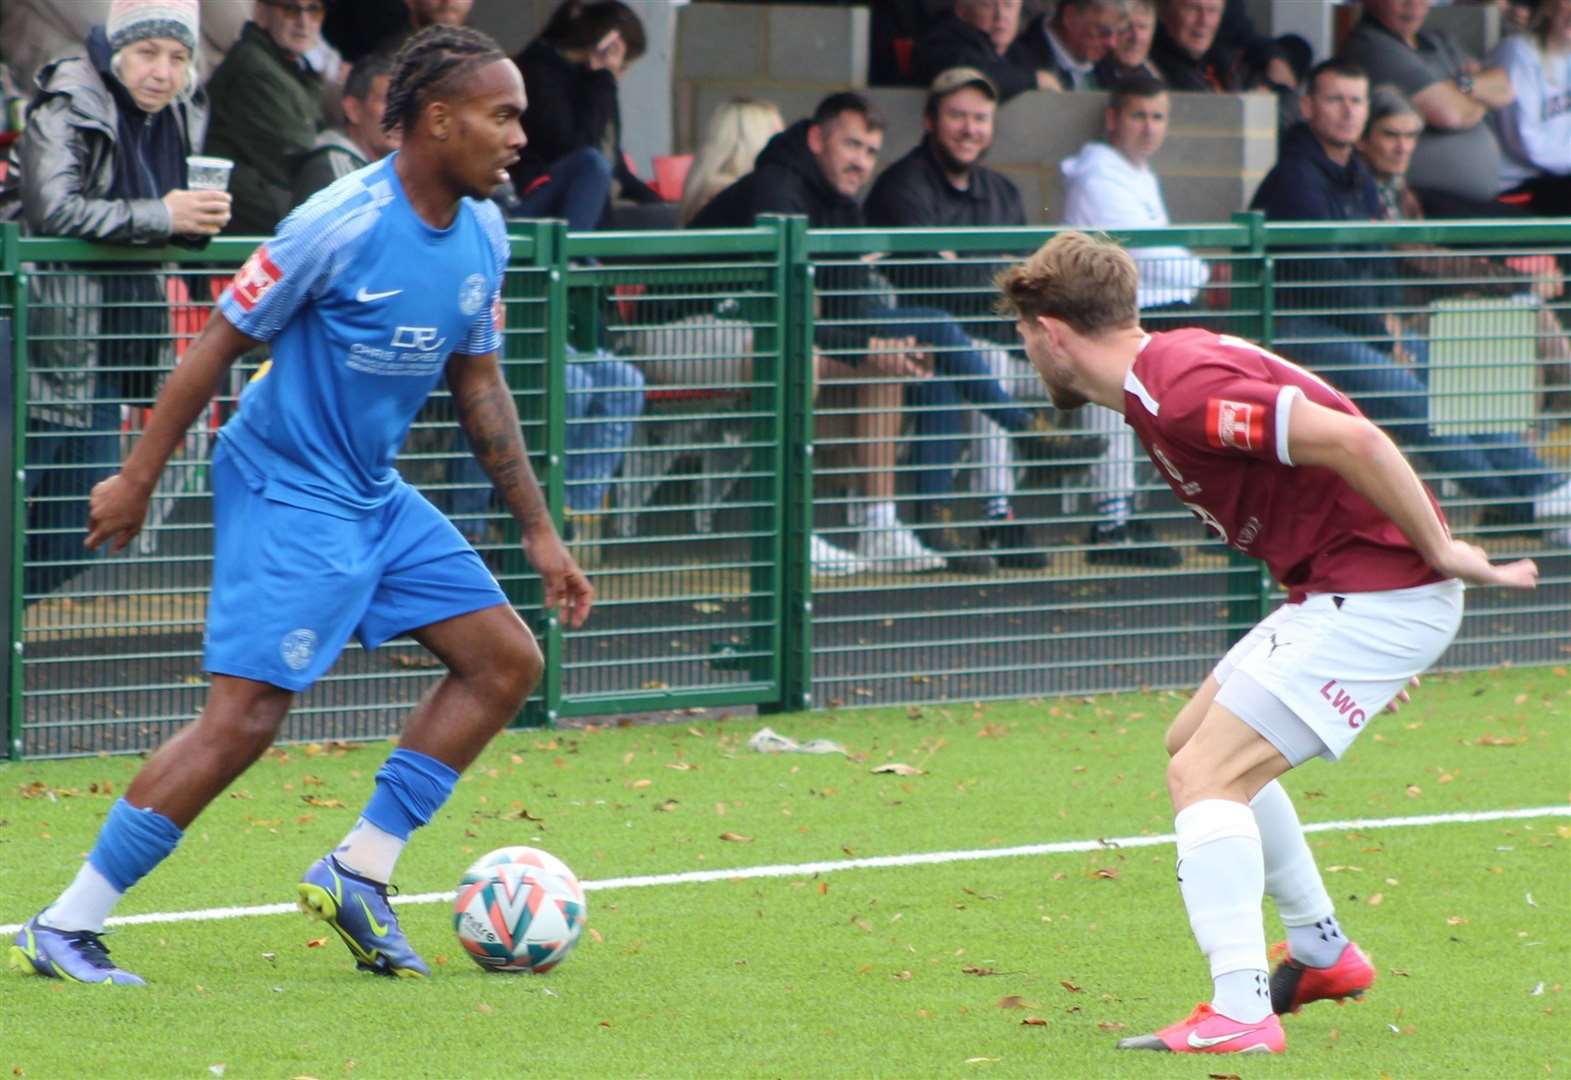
x: 363, y: 303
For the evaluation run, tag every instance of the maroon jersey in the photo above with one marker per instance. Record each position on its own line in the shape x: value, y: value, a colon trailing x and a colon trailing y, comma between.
x: 1213, y: 413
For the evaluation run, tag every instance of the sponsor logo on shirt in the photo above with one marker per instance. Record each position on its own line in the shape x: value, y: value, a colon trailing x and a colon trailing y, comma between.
x: 258, y: 275
x: 1237, y: 424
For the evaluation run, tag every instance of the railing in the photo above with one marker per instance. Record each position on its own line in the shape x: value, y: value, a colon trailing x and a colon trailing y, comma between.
x: 700, y: 406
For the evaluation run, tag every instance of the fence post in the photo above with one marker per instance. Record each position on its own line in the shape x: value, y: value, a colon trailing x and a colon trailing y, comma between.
x: 537, y: 393
x: 1249, y: 609
x: 13, y: 486
x: 796, y: 596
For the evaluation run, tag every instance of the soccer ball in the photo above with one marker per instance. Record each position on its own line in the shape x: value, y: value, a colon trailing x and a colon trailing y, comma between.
x: 519, y: 909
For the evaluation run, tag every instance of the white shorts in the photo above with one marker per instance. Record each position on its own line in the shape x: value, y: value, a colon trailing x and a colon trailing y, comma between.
x: 1310, y: 676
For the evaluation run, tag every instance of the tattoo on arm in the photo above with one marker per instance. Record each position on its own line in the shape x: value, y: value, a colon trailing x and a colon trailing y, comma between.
x: 486, y: 413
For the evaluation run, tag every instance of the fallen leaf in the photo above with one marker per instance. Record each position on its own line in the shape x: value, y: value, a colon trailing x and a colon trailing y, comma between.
x: 667, y: 807
x: 1456, y: 920
x: 598, y: 937
x: 1414, y: 791
x: 316, y: 943
x: 898, y: 769
x: 1071, y: 987
x: 483, y: 1008
x: 972, y: 969
x: 1012, y: 1001
x: 326, y: 804
x: 1034, y: 1021
x: 1377, y: 899
x: 1105, y: 872
x: 980, y: 1060
x: 736, y: 837
x: 903, y: 976
x: 681, y: 766
x: 1499, y: 740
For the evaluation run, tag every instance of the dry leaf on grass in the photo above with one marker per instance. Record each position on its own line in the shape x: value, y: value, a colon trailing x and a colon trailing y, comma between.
x: 736, y: 837
x: 898, y: 769
x: 1012, y: 1001
x: 1033, y: 1021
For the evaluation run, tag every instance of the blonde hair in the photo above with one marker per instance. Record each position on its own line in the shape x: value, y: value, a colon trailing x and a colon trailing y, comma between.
x: 1087, y: 281
x: 737, y: 131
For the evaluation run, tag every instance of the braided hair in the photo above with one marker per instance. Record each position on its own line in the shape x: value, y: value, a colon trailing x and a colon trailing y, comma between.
x: 430, y: 63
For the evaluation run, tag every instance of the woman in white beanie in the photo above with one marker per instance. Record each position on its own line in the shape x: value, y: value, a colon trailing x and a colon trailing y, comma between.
x: 102, y: 157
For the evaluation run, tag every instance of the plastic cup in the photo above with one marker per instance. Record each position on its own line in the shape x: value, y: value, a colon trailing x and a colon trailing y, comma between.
x: 207, y: 173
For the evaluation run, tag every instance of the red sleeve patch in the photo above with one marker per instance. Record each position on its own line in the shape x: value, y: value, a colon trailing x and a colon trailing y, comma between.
x: 258, y: 275
x: 1237, y: 424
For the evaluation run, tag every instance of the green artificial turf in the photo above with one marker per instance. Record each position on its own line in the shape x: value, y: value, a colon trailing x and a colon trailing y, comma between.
x: 1022, y: 966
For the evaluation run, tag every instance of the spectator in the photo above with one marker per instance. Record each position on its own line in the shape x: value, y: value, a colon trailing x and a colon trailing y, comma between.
x: 1191, y: 54
x: 357, y: 28
x: 361, y: 140
x: 1071, y: 43
x: 1456, y: 168
x: 943, y: 184
x: 894, y: 27
x: 979, y: 35
x: 1318, y: 177
x: 1535, y: 129
x: 267, y: 110
x: 737, y: 131
x: 103, y: 157
x: 1130, y: 54
x: 574, y: 121
x: 1110, y: 185
x: 1387, y: 148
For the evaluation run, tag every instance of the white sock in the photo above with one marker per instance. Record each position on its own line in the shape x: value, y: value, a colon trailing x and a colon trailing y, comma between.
x: 370, y: 852
x: 1293, y: 881
x: 881, y: 515
x: 85, y: 904
x: 1221, y: 874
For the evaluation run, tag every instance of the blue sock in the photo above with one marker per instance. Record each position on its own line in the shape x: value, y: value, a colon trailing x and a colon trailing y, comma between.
x: 131, y: 843
x: 410, y: 788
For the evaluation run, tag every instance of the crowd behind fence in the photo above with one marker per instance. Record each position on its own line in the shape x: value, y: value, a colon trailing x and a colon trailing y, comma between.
x: 717, y: 448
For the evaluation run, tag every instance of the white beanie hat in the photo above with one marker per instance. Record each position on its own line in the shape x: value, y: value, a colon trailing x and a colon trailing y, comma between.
x: 136, y: 20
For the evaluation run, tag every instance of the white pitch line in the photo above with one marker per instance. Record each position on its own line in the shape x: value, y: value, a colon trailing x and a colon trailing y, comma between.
x: 925, y: 858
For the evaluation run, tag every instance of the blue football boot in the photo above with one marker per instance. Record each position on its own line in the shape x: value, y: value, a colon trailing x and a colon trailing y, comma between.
x: 357, y: 908
x: 72, y: 955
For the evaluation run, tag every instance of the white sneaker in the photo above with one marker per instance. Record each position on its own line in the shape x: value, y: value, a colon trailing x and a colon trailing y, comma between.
x: 1555, y: 503
x: 832, y: 561
x: 898, y: 551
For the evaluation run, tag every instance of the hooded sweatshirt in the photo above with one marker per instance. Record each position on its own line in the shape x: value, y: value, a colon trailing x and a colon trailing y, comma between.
x: 1103, y: 189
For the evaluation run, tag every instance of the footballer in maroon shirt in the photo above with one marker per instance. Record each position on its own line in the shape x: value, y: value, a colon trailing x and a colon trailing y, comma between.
x: 1284, y: 468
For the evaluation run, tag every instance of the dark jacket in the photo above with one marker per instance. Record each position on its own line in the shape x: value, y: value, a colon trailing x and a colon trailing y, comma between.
x: 786, y: 179
x: 1306, y: 185
x: 571, y: 107
x: 267, y: 110
x: 914, y: 192
x: 955, y: 43
x: 1032, y: 52
x: 1227, y: 67
x: 334, y: 156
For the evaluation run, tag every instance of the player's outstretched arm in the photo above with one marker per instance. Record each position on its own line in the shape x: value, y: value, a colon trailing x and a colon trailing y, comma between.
x: 486, y: 413
x: 119, y: 504
x: 1370, y: 462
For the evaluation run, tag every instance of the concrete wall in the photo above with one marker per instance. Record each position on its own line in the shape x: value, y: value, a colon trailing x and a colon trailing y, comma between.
x: 1218, y: 148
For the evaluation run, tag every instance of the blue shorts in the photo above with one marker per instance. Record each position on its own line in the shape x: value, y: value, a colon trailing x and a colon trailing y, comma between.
x: 290, y: 584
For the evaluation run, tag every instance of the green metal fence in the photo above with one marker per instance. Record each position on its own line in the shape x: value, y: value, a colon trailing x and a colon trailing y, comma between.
x: 708, y: 411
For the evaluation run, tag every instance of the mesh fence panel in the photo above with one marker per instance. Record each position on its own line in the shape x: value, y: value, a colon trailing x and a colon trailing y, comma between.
x: 1053, y: 558
x: 672, y: 492
x: 665, y: 383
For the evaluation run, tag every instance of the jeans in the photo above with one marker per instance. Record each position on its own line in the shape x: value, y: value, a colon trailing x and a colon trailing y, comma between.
x: 605, y: 396
x: 576, y: 187
x: 63, y: 464
x: 961, y: 380
x: 1497, y: 466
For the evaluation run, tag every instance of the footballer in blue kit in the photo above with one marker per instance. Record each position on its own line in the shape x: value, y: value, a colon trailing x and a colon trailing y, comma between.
x: 372, y: 292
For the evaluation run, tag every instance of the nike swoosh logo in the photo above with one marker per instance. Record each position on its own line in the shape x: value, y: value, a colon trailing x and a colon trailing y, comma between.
x: 380, y: 930
x: 1197, y: 1041
x: 366, y: 297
